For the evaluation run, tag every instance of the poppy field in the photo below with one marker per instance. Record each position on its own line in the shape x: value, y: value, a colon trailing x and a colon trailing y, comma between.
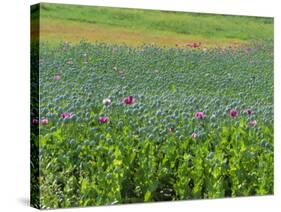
x: 120, y: 124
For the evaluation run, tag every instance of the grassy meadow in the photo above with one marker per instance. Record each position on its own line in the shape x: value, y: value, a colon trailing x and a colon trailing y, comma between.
x: 137, y: 27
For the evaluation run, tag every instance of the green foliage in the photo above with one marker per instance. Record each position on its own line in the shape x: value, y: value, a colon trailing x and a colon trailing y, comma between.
x: 146, y: 151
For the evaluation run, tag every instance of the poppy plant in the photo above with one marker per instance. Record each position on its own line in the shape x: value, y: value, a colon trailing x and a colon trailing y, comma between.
x: 233, y: 113
x: 194, y: 135
x: 199, y: 115
x: 103, y: 119
x: 65, y: 115
x: 248, y: 111
x: 129, y: 100
x: 57, y: 77
x: 106, y: 101
x: 35, y: 121
x: 44, y: 121
x: 252, y: 123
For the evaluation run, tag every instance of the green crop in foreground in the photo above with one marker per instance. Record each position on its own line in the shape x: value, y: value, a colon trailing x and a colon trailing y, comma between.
x: 154, y: 124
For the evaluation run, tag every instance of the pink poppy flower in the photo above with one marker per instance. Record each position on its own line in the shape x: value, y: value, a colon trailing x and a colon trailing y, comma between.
x: 170, y: 130
x: 65, y: 115
x: 248, y: 111
x: 252, y: 123
x: 199, y: 115
x: 194, y: 135
x: 57, y: 77
x: 233, y: 113
x: 129, y: 100
x: 35, y: 121
x: 103, y: 119
x: 44, y: 121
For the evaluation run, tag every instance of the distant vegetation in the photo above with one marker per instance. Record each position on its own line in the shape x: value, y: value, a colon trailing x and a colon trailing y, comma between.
x: 148, y: 25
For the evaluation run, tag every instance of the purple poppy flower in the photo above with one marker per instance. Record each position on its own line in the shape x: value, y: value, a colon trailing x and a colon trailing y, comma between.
x: 199, y: 115
x: 233, y: 113
x: 103, y: 119
x: 65, y: 115
x: 129, y: 100
x: 248, y: 111
x: 35, y: 121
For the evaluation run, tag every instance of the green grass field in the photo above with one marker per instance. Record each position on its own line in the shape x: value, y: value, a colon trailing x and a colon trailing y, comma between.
x: 136, y: 27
